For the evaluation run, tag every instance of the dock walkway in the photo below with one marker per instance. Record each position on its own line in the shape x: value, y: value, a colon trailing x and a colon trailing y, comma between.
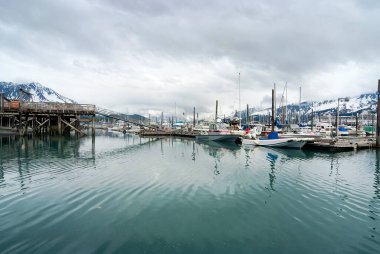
x: 342, y: 144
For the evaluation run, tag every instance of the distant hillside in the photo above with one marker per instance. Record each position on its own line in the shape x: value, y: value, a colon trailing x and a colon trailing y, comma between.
x: 39, y: 92
x: 358, y: 104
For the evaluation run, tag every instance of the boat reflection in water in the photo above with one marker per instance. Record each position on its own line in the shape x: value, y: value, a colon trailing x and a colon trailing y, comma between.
x: 217, y: 150
x: 276, y: 158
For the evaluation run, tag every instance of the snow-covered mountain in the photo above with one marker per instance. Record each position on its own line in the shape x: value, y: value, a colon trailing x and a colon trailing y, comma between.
x: 39, y: 92
x: 362, y: 103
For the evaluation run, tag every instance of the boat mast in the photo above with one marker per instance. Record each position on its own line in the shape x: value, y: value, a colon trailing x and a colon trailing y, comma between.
x: 239, y: 103
x: 273, y: 109
x: 286, y: 102
x: 275, y: 101
x: 282, y: 105
x: 175, y: 111
x: 299, y: 108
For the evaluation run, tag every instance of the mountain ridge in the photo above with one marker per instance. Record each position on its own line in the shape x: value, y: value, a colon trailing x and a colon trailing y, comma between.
x: 366, y: 102
x: 39, y: 92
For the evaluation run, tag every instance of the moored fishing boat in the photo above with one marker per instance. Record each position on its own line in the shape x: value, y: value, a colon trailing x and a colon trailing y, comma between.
x: 283, y: 142
x: 215, y: 133
x: 274, y: 141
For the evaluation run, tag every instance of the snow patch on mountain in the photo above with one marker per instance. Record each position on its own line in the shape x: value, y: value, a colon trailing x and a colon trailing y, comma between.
x: 39, y: 92
x: 358, y: 104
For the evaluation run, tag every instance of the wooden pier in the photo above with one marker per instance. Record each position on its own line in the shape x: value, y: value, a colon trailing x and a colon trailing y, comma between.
x: 53, y: 118
x: 169, y: 133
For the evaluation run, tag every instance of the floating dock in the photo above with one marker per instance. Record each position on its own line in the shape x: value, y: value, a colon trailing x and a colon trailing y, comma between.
x: 169, y: 133
x: 342, y: 144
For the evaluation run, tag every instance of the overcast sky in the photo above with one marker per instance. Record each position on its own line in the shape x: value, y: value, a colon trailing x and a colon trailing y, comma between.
x: 147, y: 56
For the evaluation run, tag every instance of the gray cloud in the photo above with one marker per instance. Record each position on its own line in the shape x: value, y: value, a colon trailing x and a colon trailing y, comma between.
x: 146, y: 55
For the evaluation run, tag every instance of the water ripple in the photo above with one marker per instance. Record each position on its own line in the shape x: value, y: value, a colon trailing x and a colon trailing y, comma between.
x: 208, y: 197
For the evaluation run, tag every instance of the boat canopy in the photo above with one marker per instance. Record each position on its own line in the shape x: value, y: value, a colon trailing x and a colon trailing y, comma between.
x: 273, y: 135
x: 341, y: 128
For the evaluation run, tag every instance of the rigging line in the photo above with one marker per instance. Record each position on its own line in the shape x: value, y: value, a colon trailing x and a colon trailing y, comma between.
x: 282, y: 96
x: 236, y: 95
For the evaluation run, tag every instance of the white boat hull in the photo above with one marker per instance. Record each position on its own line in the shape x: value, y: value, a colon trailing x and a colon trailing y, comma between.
x: 285, y: 142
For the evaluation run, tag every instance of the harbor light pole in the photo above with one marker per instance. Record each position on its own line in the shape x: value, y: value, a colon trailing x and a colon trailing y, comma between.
x: 337, y: 114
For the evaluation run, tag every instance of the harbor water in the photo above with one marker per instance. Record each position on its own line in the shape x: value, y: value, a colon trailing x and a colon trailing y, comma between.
x: 120, y: 193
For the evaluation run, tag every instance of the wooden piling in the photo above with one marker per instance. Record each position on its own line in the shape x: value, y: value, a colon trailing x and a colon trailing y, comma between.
x: 194, y: 117
x: 373, y: 126
x: 77, y: 125
x: 60, y: 130
x: 312, y: 119
x: 247, y: 116
x: 20, y: 124
x: 216, y: 111
x: 93, y: 126
x: 162, y: 118
x: 357, y: 124
x: 48, y: 128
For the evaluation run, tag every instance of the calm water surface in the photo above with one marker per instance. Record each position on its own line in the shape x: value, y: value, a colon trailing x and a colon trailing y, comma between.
x: 123, y: 194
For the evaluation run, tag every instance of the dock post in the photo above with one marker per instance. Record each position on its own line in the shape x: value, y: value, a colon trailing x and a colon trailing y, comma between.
x: 356, y: 123
x: 59, y: 125
x: 373, y: 125
x: 93, y: 126
x: 34, y: 123
x: 20, y: 124
x: 162, y: 119
x: 216, y: 111
x: 1, y: 103
x: 77, y: 125
x: 378, y: 115
x: 337, y: 120
x: 49, y: 126
x: 93, y: 146
x: 312, y: 119
x: 247, y: 120
x: 194, y: 117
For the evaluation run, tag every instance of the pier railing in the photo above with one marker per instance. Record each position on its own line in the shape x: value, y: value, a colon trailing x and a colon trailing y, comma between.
x: 55, y: 107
